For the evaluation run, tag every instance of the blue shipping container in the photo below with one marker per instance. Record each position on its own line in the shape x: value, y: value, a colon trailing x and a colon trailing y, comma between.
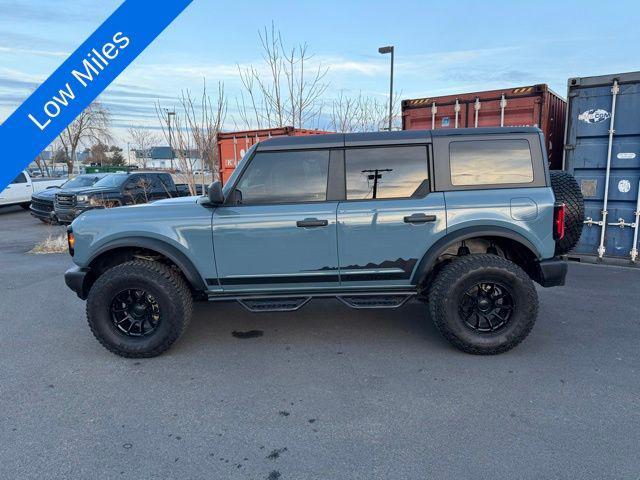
x: 603, y: 122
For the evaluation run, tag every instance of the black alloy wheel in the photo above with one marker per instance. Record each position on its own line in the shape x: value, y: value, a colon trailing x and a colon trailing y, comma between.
x: 135, y: 313
x: 486, y: 307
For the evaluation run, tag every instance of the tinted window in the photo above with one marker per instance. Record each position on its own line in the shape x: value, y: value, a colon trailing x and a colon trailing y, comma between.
x: 285, y: 177
x: 81, y: 181
x: 490, y: 162
x: 20, y: 179
x: 166, y: 182
x: 385, y: 172
x: 112, y: 180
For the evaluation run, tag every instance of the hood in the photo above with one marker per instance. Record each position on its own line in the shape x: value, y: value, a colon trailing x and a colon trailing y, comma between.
x: 46, y: 194
x: 90, y: 190
x: 177, y: 200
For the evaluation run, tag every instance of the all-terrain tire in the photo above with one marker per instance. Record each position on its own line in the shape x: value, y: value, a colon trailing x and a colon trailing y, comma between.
x: 462, y: 274
x: 168, y: 288
x: 567, y: 191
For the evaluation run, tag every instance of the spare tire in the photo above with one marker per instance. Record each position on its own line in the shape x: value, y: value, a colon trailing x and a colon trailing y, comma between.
x: 567, y: 191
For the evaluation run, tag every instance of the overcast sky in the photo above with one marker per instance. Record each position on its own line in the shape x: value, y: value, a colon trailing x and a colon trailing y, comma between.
x: 441, y: 47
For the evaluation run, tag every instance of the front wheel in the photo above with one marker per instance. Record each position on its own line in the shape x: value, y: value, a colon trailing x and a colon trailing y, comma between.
x: 139, y: 308
x: 483, y: 304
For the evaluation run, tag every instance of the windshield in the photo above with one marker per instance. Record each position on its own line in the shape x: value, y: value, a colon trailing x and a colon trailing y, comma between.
x: 113, y: 180
x: 82, y: 181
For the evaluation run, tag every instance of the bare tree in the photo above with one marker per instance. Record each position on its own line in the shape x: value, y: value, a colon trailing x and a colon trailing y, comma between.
x: 204, y: 122
x: 362, y: 113
x: 143, y: 139
x: 42, y: 164
x: 286, y: 90
x: 177, y: 134
x: 91, y: 125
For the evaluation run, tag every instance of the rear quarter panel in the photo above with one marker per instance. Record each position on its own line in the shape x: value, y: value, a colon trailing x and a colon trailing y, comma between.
x: 526, y: 211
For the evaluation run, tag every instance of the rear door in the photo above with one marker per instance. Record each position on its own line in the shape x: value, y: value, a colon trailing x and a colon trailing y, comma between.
x: 390, y: 216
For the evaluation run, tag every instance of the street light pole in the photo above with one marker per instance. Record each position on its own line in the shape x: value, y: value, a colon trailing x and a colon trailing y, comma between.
x: 169, y: 115
x: 384, y: 50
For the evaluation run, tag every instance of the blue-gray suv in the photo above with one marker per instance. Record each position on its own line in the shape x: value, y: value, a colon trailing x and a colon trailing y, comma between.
x: 465, y: 220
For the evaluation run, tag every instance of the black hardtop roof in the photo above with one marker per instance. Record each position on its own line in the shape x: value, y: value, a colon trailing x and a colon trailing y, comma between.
x: 338, y: 140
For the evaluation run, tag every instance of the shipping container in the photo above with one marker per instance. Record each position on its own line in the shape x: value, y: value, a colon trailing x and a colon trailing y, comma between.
x: 602, y: 150
x: 534, y: 105
x: 233, y: 145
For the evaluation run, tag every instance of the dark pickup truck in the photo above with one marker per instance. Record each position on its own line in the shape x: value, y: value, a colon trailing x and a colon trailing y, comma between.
x: 115, y: 190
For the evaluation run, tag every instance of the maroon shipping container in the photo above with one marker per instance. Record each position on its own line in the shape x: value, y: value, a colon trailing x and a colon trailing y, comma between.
x: 536, y: 105
x: 233, y: 145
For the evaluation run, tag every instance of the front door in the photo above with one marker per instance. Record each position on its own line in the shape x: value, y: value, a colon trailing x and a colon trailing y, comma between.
x: 279, y: 232
x: 18, y: 191
x: 389, y: 218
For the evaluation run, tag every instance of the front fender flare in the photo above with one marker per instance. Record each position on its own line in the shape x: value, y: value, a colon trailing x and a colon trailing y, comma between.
x: 172, y: 253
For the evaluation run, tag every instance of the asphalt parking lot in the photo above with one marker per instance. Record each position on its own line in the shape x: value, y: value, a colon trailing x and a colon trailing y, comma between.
x: 324, y: 393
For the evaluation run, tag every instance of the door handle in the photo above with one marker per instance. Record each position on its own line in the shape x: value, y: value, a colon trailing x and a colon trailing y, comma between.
x: 419, y: 218
x: 312, y: 223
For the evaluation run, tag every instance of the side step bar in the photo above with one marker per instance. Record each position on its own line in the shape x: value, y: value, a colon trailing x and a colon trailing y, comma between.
x: 293, y: 302
x: 374, y: 301
x: 273, y: 304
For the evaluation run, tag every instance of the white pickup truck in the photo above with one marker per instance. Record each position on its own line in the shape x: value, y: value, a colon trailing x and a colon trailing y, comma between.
x: 20, y: 190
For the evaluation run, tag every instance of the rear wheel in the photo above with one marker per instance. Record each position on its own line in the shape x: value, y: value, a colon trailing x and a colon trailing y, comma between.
x: 567, y: 191
x: 139, y: 308
x: 483, y: 304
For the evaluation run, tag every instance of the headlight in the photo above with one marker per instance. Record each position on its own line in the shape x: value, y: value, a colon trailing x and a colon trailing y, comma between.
x: 95, y: 202
x: 82, y: 198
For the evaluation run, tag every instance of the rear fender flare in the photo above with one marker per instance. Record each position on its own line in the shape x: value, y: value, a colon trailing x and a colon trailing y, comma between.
x: 429, y: 259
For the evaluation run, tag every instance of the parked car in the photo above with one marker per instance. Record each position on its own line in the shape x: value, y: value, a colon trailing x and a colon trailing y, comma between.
x: 466, y: 219
x: 42, y: 203
x: 19, y: 191
x: 115, y: 190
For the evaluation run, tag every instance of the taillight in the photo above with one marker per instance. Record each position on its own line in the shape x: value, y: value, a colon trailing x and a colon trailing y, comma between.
x: 71, y: 240
x: 558, y: 221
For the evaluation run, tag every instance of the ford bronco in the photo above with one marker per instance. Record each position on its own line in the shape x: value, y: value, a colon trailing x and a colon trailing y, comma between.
x: 465, y: 220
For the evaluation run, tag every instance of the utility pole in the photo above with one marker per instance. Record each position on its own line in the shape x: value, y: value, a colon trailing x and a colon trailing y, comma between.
x: 376, y: 175
x: 169, y: 115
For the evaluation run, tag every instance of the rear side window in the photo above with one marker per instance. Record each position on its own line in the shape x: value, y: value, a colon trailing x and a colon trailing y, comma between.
x: 285, y: 177
x: 166, y: 182
x: 490, y: 162
x: 385, y: 172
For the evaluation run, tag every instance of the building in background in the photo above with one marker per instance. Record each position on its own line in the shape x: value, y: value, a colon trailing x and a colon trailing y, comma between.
x: 159, y: 158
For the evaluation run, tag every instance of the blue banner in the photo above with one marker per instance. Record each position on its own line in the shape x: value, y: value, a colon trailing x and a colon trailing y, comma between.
x: 80, y: 79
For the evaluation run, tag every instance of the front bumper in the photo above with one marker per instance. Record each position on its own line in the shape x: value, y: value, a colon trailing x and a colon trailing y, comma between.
x: 79, y: 280
x: 47, y: 215
x: 552, y: 272
x: 70, y: 214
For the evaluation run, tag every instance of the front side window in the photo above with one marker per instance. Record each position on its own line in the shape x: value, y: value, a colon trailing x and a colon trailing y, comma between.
x: 20, y: 179
x: 490, y: 162
x: 385, y: 172
x: 285, y: 177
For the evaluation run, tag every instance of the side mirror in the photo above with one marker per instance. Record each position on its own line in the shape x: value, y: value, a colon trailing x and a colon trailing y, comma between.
x: 216, y: 196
